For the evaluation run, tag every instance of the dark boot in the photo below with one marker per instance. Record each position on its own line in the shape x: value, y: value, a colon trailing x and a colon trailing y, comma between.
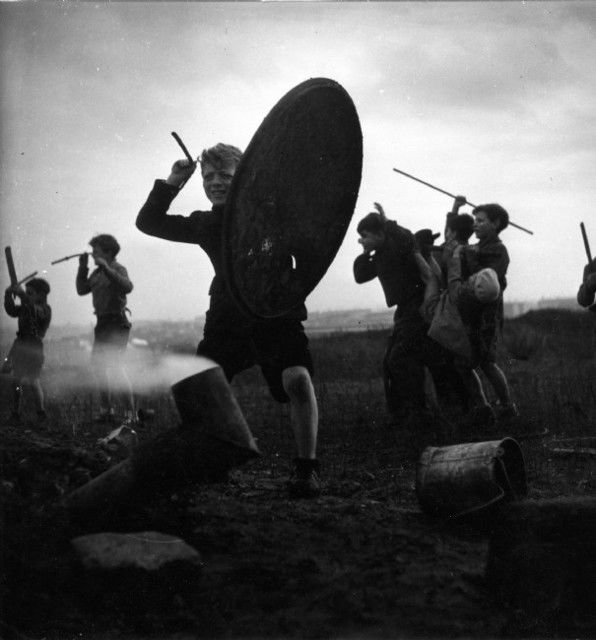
x: 306, y: 482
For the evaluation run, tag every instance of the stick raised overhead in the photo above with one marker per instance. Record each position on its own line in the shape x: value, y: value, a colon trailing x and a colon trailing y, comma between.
x: 10, y: 264
x: 182, y: 146
x: 26, y: 278
x: 432, y: 186
x: 586, y: 243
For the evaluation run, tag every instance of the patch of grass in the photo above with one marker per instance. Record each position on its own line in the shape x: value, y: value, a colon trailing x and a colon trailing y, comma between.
x: 548, y: 357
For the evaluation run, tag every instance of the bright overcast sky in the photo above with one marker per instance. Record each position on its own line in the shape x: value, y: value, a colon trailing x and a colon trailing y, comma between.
x: 495, y: 101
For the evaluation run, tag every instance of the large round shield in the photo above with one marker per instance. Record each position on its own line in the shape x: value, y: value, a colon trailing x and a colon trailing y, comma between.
x: 292, y: 198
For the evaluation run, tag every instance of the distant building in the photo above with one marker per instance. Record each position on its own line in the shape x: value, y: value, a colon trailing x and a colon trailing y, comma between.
x: 558, y: 303
x: 514, y: 309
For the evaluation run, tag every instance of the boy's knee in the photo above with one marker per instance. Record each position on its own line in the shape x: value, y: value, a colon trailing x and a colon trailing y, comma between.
x: 297, y: 383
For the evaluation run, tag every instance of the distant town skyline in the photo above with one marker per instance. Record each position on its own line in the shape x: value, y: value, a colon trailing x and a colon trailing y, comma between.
x: 491, y: 100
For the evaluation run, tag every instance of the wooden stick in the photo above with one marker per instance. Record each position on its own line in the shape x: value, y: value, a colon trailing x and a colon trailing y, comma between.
x: 10, y: 264
x: 432, y: 186
x: 31, y: 275
x: 183, y: 147
x: 586, y: 243
x: 428, y: 184
x: 74, y: 255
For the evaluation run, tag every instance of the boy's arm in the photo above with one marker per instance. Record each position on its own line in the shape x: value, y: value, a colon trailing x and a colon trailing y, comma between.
x: 9, y: 306
x: 431, y: 287
x: 26, y: 301
x: 117, y: 275
x: 455, y: 285
x: 82, y: 282
x: 153, y: 218
x: 436, y: 269
x: 587, y: 289
x: 43, y: 314
x: 365, y: 268
x: 458, y: 202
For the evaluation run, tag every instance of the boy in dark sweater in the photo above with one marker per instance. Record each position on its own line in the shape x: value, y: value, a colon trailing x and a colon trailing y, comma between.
x: 388, y: 254
x: 26, y: 356
x: 278, y: 345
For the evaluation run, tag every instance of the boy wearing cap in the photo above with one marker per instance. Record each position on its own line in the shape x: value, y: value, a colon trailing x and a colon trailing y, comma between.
x: 278, y: 345
x: 26, y: 356
x: 425, y: 243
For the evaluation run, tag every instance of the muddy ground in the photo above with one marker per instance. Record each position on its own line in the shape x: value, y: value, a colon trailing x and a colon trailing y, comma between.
x: 361, y: 561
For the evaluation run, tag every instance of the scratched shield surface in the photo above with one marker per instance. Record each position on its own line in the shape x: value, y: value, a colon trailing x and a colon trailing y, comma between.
x: 292, y: 198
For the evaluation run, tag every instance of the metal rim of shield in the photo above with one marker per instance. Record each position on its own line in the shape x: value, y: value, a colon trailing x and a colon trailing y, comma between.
x: 292, y: 199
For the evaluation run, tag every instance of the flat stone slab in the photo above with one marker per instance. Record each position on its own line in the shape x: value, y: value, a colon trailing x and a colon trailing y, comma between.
x: 146, y: 550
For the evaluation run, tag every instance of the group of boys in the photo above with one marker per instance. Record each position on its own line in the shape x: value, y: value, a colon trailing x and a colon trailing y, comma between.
x: 109, y: 284
x: 449, y: 307
x: 448, y: 302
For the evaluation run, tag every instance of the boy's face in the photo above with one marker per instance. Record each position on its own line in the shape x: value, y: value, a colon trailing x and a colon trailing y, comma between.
x: 484, y: 228
x: 98, y: 252
x: 371, y: 241
x: 217, y: 181
x: 34, y: 295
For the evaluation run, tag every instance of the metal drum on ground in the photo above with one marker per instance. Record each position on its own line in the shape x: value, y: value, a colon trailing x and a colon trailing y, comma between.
x: 464, y: 478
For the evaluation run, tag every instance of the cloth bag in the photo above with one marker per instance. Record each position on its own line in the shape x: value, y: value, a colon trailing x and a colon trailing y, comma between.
x: 448, y: 330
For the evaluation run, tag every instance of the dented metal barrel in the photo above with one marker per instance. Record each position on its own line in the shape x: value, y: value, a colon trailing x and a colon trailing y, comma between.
x: 465, y: 478
x: 213, y: 437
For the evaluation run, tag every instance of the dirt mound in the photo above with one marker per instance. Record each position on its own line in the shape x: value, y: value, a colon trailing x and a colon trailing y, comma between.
x: 360, y: 558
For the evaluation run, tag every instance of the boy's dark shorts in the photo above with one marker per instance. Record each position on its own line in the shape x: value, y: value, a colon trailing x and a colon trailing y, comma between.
x: 26, y: 358
x: 111, y: 334
x: 484, y: 350
x: 275, y: 345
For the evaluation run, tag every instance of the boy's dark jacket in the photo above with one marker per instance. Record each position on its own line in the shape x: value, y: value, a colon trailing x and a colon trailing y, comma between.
x: 34, y: 319
x: 394, y: 265
x: 491, y: 254
x: 200, y: 227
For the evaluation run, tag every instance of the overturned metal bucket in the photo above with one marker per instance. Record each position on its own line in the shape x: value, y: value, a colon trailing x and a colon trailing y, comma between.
x: 212, y: 438
x: 465, y: 478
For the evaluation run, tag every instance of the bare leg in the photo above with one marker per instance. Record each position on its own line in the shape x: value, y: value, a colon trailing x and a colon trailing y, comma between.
x: 105, y: 397
x: 38, y: 396
x: 305, y: 420
x: 101, y: 371
x: 122, y: 389
x: 114, y: 383
x: 304, y: 411
x: 498, y: 381
x: 473, y: 386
